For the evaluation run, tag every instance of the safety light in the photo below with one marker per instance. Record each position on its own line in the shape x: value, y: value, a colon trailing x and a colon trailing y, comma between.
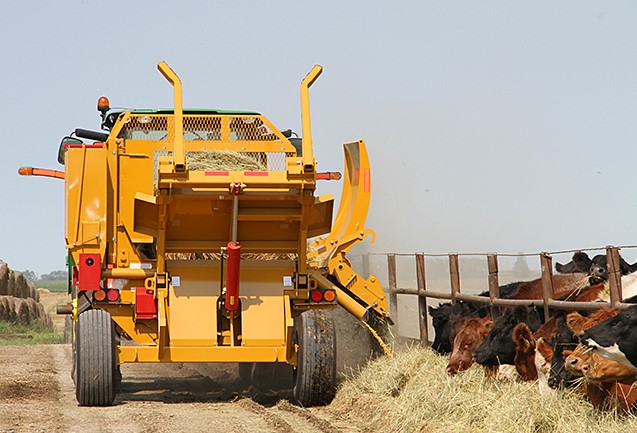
x: 112, y: 295
x: 329, y: 295
x: 103, y: 104
x: 99, y: 295
x: 317, y: 296
x: 25, y: 171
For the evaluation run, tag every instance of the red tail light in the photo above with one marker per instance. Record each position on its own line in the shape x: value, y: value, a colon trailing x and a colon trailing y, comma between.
x: 112, y: 295
x: 317, y: 296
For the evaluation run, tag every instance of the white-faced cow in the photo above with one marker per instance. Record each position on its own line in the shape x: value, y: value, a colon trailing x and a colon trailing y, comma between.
x: 615, y: 338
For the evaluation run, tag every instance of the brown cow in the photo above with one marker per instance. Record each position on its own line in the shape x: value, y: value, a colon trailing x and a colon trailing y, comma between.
x: 562, y: 284
x: 524, y: 360
x: 579, y: 323
x: 584, y: 362
x: 609, y: 395
x: 470, y: 333
x: 608, y: 384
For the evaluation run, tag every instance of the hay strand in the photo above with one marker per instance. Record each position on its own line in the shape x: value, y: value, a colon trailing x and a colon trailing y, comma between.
x: 411, y: 392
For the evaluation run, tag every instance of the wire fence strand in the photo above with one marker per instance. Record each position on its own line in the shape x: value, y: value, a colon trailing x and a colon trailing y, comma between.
x: 621, y: 247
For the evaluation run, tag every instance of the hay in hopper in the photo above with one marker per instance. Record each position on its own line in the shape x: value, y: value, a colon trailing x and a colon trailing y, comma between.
x: 412, y: 393
x: 223, y: 160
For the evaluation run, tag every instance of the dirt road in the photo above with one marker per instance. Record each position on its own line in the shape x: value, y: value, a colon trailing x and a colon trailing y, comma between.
x: 38, y: 395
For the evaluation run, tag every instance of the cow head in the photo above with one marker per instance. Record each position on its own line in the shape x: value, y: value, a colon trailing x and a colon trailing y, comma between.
x: 470, y: 333
x: 579, y: 263
x: 614, y: 338
x: 524, y: 352
x: 559, y: 376
x: 584, y: 362
x: 442, y: 327
x: 498, y: 346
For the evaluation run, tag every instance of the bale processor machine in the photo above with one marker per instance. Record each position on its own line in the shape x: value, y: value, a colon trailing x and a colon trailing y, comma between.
x: 174, y: 261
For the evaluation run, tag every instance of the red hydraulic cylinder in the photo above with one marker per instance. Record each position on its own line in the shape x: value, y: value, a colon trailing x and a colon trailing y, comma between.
x: 232, y: 279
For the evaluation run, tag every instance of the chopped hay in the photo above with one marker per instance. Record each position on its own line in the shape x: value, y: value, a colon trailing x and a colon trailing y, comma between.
x: 223, y: 160
x: 412, y: 392
x: 244, y: 256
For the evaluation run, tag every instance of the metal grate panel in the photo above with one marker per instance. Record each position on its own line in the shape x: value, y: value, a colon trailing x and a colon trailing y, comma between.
x: 149, y: 128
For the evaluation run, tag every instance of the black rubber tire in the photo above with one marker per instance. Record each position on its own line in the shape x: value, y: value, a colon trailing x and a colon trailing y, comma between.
x: 315, y: 375
x: 95, y: 355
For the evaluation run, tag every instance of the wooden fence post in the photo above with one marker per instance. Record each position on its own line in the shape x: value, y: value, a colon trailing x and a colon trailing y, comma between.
x: 422, y: 300
x: 393, y: 296
x: 614, y: 275
x: 547, y: 281
x: 455, y: 276
x: 494, y: 284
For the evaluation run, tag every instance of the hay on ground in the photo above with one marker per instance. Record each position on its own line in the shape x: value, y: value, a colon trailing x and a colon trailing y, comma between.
x: 411, y: 392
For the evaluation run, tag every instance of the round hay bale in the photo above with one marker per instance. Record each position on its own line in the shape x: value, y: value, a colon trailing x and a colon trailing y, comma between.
x: 41, y: 310
x: 2, y: 312
x: 21, y: 286
x: 34, y: 314
x: 11, y: 284
x: 13, y: 316
x: 5, y: 308
x: 42, y: 316
x: 4, y: 279
x: 24, y: 315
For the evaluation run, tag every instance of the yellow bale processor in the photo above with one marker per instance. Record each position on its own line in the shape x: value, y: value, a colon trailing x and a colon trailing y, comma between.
x: 177, y: 256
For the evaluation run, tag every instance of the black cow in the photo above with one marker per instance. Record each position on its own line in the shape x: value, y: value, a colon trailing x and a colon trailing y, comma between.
x: 595, y: 267
x: 614, y: 338
x: 579, y: 263
x: 440, y: 316
x: 559, y: 376
x: 498, y: 347
x: 442, y: 327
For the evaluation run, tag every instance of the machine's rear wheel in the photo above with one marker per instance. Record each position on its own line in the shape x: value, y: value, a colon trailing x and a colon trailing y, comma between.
x: 315, y: 375
x: 95, y: 359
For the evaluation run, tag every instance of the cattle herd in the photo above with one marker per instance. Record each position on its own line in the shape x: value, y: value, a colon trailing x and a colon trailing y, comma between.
x: 594, y: 351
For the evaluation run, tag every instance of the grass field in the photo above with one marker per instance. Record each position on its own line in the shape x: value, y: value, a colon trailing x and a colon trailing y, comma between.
x: 40, y: 333
x: 57, y: 286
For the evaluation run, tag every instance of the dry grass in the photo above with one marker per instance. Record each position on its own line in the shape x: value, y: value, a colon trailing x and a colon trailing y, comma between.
x: 244, y: 256
x: 412, y: 393
x: 223, y: 160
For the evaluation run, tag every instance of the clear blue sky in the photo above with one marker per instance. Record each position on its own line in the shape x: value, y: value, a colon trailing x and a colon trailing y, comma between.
x: 491, y: 126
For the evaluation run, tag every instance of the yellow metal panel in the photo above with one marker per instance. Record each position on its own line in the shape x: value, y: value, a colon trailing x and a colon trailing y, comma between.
x: 200, y: 354
x: 193, y: 317
x: 193, y: 314
x: 85, y: 201
x: 321, y: 216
